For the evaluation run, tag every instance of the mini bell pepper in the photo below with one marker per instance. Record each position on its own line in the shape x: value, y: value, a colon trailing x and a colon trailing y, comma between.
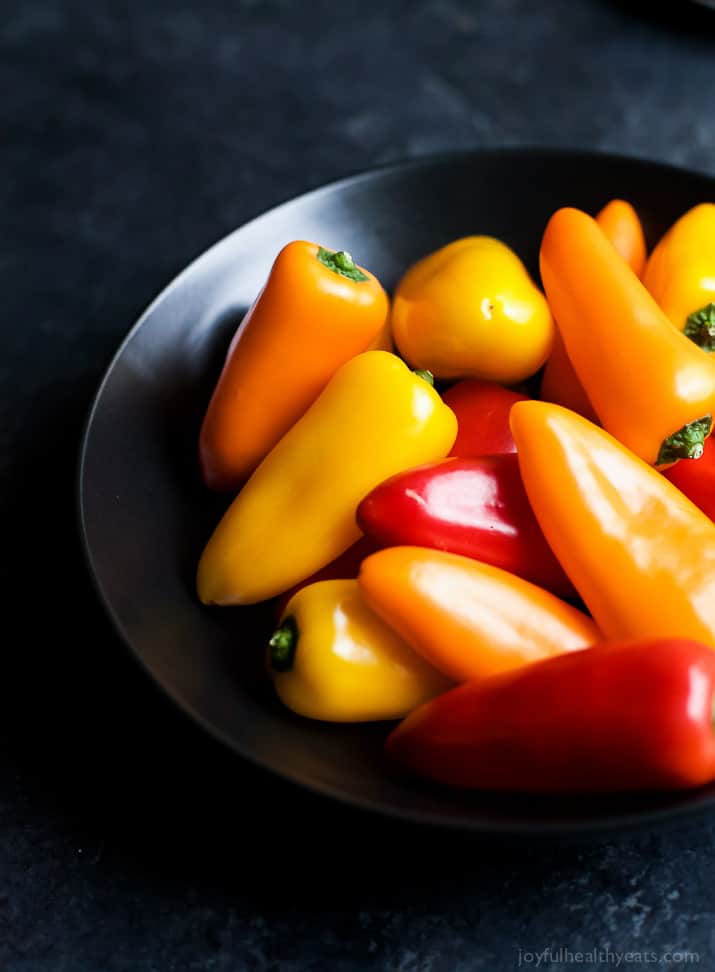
x: 619, y: 223
x: 317, y: 310
x: 471, y: 310
x: 466, y: 618
x: 629, y: 715
x: 696, y: 478
x: 297, y: 511
x: 560, y: 383
x: 383, y: 340
x: 680, y: 275
x: 344, y: 567
x: 639, y: 553
x: 333, y: 659
x: 482, y: 409
x: 650, y: 386
x: 474, y: 507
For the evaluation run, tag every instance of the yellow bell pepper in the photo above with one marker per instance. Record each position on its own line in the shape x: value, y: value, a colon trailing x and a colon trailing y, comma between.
x: 297, y: 511
x: 680, y: 274
x: 332, y: 658
x: 471, y: 310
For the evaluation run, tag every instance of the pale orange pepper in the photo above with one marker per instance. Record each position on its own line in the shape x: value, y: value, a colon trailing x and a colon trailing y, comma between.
x: 466, y: 618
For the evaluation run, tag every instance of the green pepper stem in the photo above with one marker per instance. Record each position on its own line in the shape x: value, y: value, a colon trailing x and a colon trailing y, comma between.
x: 282, y: 645
x: 686, y: 443
x: 425, y: 375
x: 341, y: 262
x: 700, y: 327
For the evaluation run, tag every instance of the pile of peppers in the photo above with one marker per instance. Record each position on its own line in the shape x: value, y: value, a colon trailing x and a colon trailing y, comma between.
x: 482, y: 508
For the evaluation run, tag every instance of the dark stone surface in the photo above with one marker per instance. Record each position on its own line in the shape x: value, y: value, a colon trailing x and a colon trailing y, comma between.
x: 134, y: 135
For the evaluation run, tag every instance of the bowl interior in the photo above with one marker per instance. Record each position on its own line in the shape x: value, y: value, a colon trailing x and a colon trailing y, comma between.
x: 145, y: 516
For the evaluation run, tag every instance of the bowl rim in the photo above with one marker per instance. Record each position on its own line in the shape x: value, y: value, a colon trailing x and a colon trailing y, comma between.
x: 589, y: 825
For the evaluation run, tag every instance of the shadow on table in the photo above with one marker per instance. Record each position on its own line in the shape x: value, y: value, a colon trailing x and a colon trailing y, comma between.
x: 678, y: 16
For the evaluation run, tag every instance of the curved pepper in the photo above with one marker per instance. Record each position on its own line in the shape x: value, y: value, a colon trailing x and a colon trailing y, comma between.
x: 317, y: 310
x: 466, y: 618
x: 332, y: 658
x: 471, y: 310
x: 696, y: 478
x: 560, y: 383
x: 633, y: 715
x: 474, y: 507
x: 619, y: 223
x: 650, y: 386
x: 640, y: 554
x: 297, y: 511
x: 482, y: 409
x: 680, y: 275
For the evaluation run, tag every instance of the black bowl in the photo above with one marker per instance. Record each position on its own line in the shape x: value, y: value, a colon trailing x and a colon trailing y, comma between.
x: 145, y: 516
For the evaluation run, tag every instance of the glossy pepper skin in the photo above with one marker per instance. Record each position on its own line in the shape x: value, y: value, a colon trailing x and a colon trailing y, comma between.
x: 696, y: 478
x: 466, y: 618
x: 470, y: 310
x: 474, y: 507
x: 640, y: 554
x: 297, y: 511
x: 680, y: 274
x: 482, y: 409
x: 316, y: 311
x: 333, y: 659
x: 650, y: 386
x: 629, y: 715
x: 620, y: 224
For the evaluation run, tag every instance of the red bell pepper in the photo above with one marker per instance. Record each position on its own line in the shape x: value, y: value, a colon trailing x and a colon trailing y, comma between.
x: 482, y: 409
x: 696, y: 478
x: 344, y: 567
x: 628, y: 715
x: 474, y: 507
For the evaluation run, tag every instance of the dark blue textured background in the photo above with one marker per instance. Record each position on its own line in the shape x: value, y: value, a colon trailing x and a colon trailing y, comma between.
x: 132, y: 136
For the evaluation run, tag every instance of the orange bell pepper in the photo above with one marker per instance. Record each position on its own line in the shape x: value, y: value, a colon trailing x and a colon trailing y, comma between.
x: 317, y: 310
x: 619, y: 221
x: 620, y: 224
x: 650, y: 386
x: 560, y: 383
x: 639, y: 553
x: 466, y: 618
